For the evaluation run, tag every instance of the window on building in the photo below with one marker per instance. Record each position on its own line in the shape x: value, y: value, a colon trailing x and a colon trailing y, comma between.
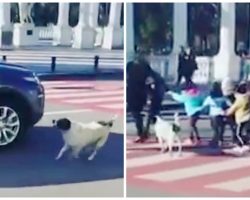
x: 42, y: 14
x: 204, y: 28
x: 74, y: 14
x: 14, y: 13
x: 103, y: 14
x: 122, y: 16
x: 153, y: 26
x: 242, y: 34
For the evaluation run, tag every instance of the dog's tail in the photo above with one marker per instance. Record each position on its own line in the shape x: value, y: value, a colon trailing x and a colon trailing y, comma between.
x: 108, y: 123
x: 114, y: 118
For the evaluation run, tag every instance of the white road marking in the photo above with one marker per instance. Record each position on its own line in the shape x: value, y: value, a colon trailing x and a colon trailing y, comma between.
x: 66, y: 112
x: 195, y: 171
x: 112, y: 106
x: 83, y: 94
x: 156, y: 159
x: 94, y: 100
x: 238, y: 185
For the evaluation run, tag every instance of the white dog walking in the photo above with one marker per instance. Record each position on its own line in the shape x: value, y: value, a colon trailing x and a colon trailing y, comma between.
x: 78, y: 135
x: 167, y: 134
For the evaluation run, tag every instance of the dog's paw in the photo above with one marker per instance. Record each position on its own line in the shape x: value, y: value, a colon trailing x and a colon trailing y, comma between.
x: 58, y: 157
x: 163, y: 150
x: 90, y: 158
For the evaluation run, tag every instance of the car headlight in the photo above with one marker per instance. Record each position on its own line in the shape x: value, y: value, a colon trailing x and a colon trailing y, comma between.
x: 33, y: 78
x: 36, y: 78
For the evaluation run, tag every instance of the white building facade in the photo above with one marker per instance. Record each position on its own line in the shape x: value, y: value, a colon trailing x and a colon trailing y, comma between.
x: 224, y: 64
x: 86, y: 35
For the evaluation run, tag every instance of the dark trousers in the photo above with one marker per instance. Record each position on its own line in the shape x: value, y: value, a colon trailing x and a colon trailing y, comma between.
x: 217, y: 124
x: 242, y: 133
x: 193, y: 128
x: 188, y: 78
x: 231, y: 122
x: 154, y: 109
x: 138, y: 122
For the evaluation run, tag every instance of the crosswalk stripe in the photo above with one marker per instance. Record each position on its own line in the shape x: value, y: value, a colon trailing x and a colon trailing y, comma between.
x: 69, y: 85
x: 61, y: 91
x: 95, y: 100
x: 200, y: 170
x: 84, y: 94
x: 156, y: 159
x: 112, y: 106
x: 45, y: 83
x: 237, y: 185
x: 83, y: 84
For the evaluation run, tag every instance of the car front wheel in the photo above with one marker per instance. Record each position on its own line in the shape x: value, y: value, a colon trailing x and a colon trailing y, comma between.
x: 11, y: 125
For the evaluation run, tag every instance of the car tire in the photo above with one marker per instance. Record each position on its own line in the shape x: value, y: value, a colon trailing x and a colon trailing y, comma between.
x: 13, y: 122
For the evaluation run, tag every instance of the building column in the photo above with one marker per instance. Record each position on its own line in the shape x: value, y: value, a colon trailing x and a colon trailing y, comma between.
x: 62, y: 32
x: 180, y: 21
x: 93, y: 15
x: 113, y: 33
x: 84, y: 32
x: 226, y: 63
x: 130, y: 43
x: 6, y: 28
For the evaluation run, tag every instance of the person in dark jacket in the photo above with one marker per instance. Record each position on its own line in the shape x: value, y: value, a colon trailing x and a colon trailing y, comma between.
x: 187, y: 66
x: 190, y: 66
x: 156, y: 88
x: 180, y: 64
x: 137, y: 72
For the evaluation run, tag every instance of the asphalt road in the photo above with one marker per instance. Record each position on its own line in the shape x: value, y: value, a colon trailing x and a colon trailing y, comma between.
x: 201, y: 171
x: 106, y: 188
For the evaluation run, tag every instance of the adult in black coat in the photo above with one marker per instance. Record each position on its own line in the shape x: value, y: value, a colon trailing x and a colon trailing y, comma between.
x: 181, y: 66
x: 186, y: 66
x: 156, y: 88
x: 137, y: 72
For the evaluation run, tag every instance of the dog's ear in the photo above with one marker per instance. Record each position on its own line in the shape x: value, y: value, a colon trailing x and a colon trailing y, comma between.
x: 154, y: 119
x: 63, y: 124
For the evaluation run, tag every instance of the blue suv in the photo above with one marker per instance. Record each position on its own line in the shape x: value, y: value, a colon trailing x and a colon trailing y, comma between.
x: 21, y: 102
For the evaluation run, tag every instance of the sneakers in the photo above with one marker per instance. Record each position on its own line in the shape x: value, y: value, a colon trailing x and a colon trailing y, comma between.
x: 188, y: 142
x: 138, y: 140
x: 240, y: 151
x: 141, y: 139
x: 197, y: 142
x: 245, y: 148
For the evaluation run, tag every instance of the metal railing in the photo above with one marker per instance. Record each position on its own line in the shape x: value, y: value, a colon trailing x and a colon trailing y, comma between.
x: 45, y: 33
x: 53, y: 61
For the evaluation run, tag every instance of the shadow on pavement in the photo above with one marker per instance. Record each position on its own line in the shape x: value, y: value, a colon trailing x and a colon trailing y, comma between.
x: 32, y: 161
x: 204, y: 149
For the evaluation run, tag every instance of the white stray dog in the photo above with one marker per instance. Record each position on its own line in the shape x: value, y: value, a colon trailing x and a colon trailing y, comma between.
x: 166, y: 133
x: 78, y: 135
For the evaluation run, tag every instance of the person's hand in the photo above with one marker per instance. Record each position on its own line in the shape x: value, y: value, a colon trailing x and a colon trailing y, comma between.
x: 169, y: 92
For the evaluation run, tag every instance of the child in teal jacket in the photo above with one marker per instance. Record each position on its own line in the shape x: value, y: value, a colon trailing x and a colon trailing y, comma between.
x: 192, y: 98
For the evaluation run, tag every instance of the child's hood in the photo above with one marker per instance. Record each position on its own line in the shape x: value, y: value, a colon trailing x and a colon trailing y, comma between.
x: 192, y: 93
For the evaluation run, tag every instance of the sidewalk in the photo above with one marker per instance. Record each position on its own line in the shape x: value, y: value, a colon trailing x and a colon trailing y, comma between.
x: 66, y: 51
x: 69, y: 61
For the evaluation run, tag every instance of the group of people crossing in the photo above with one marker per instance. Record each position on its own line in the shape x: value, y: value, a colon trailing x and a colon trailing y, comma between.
x: 227, y: 103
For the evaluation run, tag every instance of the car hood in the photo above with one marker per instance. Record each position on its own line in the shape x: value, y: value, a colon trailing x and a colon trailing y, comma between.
x: 12, y: 68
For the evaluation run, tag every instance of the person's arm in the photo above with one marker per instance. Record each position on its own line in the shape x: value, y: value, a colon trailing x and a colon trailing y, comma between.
x: 206, y: 102
x: 233, y: 108
x: 176, y: 96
